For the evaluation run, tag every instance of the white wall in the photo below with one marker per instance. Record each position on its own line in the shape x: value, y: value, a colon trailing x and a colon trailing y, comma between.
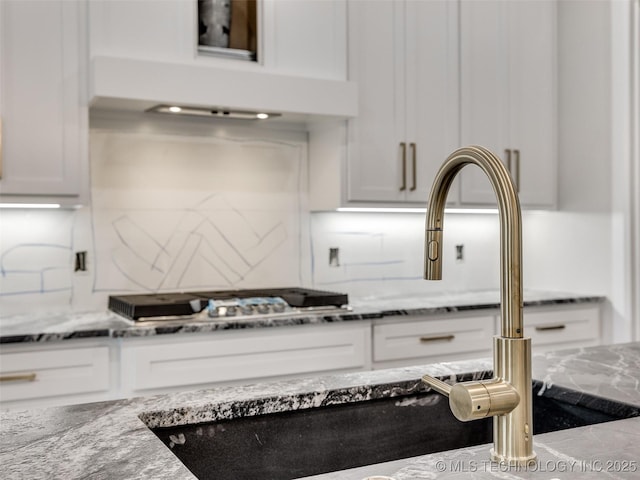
x: 382, y: 254
x: 625, y: 154
x: 174, y: 206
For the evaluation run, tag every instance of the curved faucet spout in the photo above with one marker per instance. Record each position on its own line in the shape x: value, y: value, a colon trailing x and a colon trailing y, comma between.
x: 507, y: 397
x: 510, y: 229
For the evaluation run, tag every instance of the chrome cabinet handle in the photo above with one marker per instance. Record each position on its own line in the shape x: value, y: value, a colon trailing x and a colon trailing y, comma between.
x: 436, y: 338
x: 25, y: 377
x: 414, y: 176
x: 550, y: 327
x: 507, y: 154
x: 403, y: 146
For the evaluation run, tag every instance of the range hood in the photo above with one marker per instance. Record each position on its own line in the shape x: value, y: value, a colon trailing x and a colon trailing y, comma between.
x: 141, y: 85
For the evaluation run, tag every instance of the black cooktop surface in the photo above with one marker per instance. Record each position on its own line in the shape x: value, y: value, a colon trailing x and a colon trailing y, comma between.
x: 186, y: 303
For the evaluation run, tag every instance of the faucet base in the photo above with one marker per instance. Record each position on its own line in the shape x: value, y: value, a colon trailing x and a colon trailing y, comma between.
x: 513, y: 462
x: 513, y: 431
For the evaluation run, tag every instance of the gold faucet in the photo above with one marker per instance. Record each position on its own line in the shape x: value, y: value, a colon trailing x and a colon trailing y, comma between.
x: 507, y: 396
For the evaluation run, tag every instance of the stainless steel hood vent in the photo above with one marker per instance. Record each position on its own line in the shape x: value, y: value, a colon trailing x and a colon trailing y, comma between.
x: 214, y: 112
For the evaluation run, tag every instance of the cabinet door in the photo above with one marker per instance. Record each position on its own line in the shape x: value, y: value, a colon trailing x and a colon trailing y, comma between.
x: 376, y: 62
x: 432, y: 339
x: 44, y: 124
x: 307, y: 38
x: 553, y: 328
x: 403, y: 55
x: 533, y: 99
x: 432, y: 98
x: 160, y: 365
x: 484, y: 89
x: 59, y: 374
x: 508, y: 95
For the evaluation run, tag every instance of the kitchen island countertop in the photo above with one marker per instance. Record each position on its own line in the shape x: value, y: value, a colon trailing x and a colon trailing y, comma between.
x: 110, y: 441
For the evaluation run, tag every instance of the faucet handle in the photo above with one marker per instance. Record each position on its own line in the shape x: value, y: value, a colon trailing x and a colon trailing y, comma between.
x: 437, y: 385
x: 474, y: 400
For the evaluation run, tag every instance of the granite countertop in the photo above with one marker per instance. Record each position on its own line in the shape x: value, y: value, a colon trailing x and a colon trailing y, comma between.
x: 46, y: 327
x: 111, y: 441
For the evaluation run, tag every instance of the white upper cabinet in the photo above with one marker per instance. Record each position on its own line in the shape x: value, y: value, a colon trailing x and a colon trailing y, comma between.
x: 403, y: 55
x: 298, y: 37
x: 305, y: 37
x: 146, y: 52
x: 42, y: 101
x: 434, y: 76
x: 508, y: 95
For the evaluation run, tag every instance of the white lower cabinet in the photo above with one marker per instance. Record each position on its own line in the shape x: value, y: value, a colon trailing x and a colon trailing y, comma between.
x: 179, y: 362
x: 403, y: 341
x: 63, y: 373
x: 431, y: 339
x: 79, y: 371
x: 555, y: 328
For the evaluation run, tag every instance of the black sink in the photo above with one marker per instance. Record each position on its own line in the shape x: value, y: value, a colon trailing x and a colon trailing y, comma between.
x: 300, y: 443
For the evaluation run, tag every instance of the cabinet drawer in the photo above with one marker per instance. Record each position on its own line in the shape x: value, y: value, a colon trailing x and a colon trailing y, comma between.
x: 432, y: 337
x: 233, y: 356
x: 48, y: 373
x: 568, y: 326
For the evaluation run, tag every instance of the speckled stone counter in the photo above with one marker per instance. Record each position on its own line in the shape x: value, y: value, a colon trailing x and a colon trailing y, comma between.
x: 44, y: 327
x: 460, y: 302
x: 110, y: 441
x: 606, y: 450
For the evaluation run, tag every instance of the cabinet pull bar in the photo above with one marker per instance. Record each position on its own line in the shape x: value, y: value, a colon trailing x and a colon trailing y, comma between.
x: 437, y: 338
x: 414, y: 175
x: 550, y: 327
x: 516, y: 154
x: 507, y: 154
x: 25, y: 377
x: 403, y: 146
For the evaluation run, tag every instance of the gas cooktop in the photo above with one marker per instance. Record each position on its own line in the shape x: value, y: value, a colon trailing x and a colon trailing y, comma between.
x: 259, y: 301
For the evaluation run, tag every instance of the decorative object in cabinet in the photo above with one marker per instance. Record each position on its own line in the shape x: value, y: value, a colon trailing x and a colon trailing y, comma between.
x: 508, y: 95
x: 228, y: 28
x: 43, y: 154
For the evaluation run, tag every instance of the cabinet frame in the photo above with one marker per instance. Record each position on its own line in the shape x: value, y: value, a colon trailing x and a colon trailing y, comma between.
x: 60, y: 373
x: 411, y: 340
x: 50, y: 75
x: 408, y: 99
x: 124, y: 367
x: 509, y: 98
x: 158, y: 364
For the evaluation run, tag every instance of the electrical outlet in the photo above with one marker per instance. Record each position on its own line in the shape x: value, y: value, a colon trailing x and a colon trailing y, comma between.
x: 334, y: 257
x: 80, y: 263
x: 459, y: 253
